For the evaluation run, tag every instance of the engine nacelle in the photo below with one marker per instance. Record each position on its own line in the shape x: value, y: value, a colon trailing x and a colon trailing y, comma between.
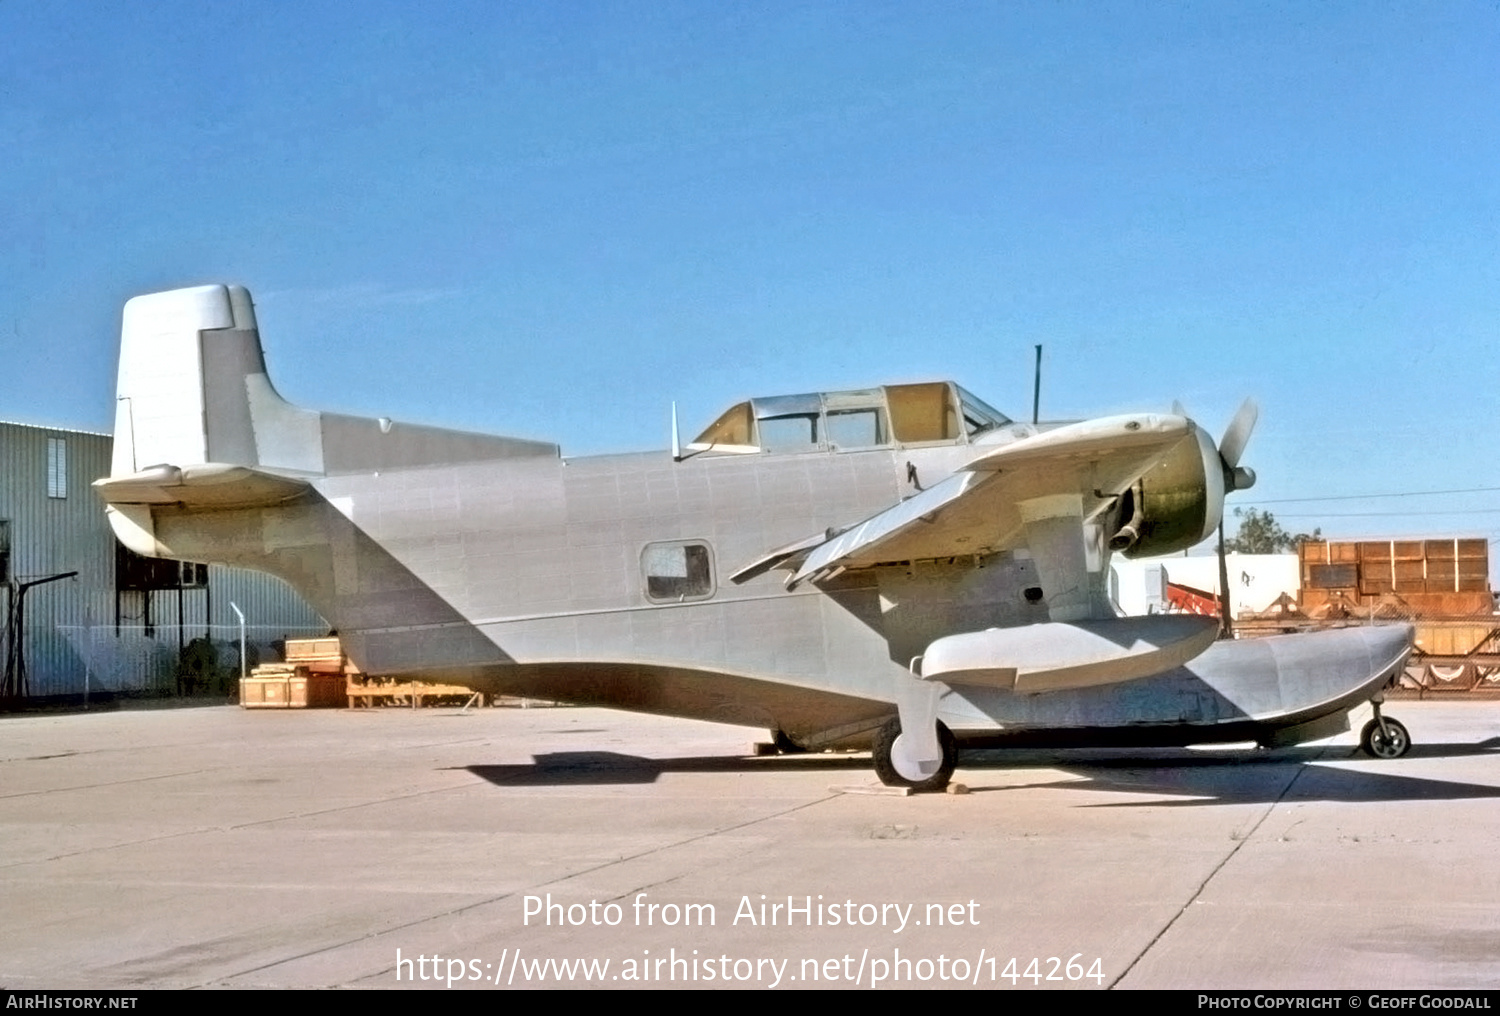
x: 1177, y: 504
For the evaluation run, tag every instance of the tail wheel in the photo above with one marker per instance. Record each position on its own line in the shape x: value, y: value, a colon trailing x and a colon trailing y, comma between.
x: 885, y: 767
x: 1392, y: 743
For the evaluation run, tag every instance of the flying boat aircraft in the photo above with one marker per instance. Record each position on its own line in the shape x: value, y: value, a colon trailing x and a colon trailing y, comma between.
x: 900, y: 568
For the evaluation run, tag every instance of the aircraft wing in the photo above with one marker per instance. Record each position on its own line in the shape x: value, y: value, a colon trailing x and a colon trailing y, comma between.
x: 979, y: 509
x: 792, y: 554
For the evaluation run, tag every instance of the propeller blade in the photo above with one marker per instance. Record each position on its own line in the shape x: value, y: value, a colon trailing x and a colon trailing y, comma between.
x: 1237, y: 434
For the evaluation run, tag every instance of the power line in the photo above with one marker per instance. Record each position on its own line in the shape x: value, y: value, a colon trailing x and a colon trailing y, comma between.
x: 1371, y: 515
x: 1366, y: 497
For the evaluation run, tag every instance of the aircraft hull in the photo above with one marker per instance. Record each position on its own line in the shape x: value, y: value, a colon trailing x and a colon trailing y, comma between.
x: 1276, y: 690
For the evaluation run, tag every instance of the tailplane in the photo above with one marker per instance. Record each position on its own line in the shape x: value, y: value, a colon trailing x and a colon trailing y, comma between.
x: 193, y: 390
x: 200, y: 428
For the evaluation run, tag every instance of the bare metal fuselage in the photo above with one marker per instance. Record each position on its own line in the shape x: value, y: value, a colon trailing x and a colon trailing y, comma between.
x: 524, y: 576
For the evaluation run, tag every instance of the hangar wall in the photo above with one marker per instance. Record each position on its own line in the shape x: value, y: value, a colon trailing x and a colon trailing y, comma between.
x: 82, y: 632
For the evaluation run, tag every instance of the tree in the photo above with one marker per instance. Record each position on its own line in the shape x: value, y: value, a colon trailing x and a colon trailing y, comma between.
x: 1260, y: 533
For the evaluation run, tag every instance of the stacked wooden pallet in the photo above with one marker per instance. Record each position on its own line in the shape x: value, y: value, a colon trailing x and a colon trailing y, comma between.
x: 317, y: 674
x: 372, y: 691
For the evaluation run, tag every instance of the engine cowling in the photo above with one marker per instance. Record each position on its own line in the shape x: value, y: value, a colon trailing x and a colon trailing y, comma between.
x: 1177, y: 504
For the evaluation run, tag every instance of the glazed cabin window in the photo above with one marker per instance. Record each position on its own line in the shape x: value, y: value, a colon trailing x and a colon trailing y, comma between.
x: 677, y: 571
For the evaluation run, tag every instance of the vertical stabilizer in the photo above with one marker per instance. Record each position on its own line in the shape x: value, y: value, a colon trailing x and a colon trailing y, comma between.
x: 193, y: 391
x: 193, y: 388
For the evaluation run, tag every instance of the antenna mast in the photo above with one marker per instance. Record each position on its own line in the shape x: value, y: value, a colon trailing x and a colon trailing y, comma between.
x: 1036, y: 391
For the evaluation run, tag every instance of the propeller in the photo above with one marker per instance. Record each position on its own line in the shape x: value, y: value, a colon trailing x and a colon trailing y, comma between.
x: 1236, y: 477
x: 1232, y: 446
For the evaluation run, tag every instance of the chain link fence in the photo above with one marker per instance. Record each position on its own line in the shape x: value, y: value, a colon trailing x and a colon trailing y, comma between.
x: 168, y: 660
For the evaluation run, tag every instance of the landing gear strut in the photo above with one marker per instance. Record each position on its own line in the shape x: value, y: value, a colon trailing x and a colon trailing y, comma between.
x: 888, y: 766
x: 1384, y: 737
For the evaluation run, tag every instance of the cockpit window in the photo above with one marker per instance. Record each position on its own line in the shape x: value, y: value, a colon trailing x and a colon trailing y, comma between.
x: 735, y: 429
x: 856, y: 428
x: 978, y: 415
x: 789, y: 423
x: 856, y: 419
x: 926, y: 413
x: 795, y: 433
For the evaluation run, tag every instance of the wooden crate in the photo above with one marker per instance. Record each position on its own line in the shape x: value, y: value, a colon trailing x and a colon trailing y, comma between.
x: 292, y: 691
x: 317, y: 656
x: 1436, y: 638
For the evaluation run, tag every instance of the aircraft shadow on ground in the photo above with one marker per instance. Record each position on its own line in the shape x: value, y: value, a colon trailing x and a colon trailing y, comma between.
x: 1187, y: 778
x: 569, y: 768
x: 1193, y: 779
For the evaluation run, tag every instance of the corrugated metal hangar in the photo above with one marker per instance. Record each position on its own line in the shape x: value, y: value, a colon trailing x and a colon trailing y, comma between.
x: 84, y: 616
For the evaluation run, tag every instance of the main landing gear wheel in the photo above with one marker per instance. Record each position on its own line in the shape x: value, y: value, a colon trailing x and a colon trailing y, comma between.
x: 1393, y: 742
x: 885, y: 766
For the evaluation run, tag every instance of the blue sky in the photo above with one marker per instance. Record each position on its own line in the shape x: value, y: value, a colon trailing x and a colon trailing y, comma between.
x: 554, y: 219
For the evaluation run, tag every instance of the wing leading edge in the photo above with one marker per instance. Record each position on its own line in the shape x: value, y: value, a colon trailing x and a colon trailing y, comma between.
x: 983, y: 507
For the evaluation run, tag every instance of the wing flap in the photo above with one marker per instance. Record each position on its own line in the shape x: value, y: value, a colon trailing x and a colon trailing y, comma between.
x: 791, y: 554
x: 866, y: 541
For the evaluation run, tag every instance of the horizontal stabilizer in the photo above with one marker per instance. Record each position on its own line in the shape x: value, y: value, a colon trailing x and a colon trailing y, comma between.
x: 1060, y: 655
x: 210, y: 486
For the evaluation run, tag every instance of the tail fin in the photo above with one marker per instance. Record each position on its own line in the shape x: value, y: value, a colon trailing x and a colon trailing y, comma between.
x: 199, y: 427
x: 193, y: 390
x: 180, y: 354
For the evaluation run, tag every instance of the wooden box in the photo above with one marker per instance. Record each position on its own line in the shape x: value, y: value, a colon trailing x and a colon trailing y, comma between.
x: 293, y: 691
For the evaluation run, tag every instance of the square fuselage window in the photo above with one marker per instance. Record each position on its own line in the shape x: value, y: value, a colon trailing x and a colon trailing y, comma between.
x: 678, y: 571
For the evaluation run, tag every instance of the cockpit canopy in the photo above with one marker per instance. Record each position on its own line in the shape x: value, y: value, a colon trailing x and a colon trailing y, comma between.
x: 935, y: 412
